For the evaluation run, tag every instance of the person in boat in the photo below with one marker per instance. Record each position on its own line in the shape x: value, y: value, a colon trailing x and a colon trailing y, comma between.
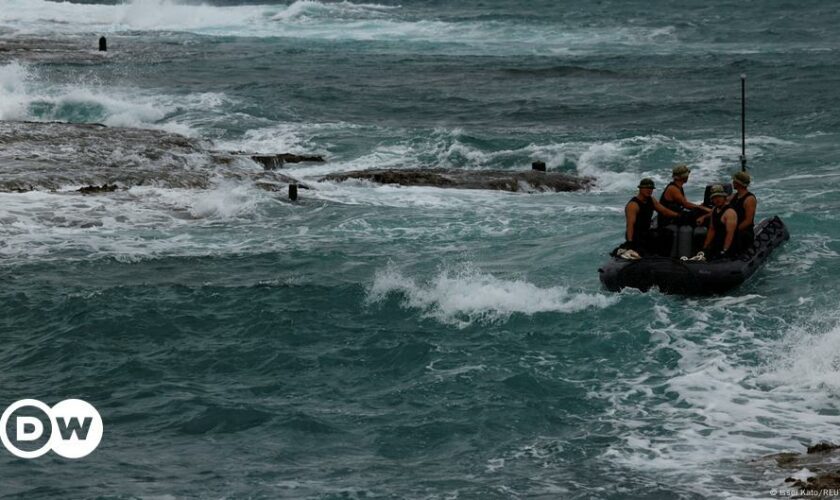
x: 721, y: 242
x: 673, y: 198
x: 639, y: 236
x: 744, y: 204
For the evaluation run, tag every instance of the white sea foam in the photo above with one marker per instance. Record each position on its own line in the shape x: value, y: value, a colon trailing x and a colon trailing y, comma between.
x: 40, y: 16
x: 321, y: 20
x: 26, y: 95
x: 312, y: 9
x: 13, y: 78
x: 720, y: 408
x: 143, y: 222
x: 466, y: 295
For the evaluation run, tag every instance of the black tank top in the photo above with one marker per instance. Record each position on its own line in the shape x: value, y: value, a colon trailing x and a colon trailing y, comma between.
x: 673, y: 205
x: 737, y: 204
x: 720, y: 228
x: 643, y: 217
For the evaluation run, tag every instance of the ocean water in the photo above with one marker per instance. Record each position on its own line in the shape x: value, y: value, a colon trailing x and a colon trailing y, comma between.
x: 385, y: 342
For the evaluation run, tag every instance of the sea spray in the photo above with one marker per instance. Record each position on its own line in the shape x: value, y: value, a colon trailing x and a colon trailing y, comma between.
x: 465, y: 295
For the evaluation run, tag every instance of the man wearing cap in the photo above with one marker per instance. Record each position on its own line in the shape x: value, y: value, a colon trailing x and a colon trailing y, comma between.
x: 673, y: 197
x: 720, y: 240
x: 744, y: 204
x: 639, y: 213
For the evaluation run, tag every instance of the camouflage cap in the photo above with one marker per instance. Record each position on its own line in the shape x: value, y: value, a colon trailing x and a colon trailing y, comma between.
x: 681, y: 171
x: 717, y: 190
x: 647, y: 183
x: 742, y: 178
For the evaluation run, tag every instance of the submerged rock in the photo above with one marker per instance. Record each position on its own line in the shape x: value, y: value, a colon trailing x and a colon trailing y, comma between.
x: 105, y: 188
x: 270, y: 162
x: 502, y: 180
x: 52, y: 155
x: 817, y: 470
x: 822, y: 448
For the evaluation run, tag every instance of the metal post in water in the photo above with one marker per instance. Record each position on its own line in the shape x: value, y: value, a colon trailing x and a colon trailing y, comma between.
x: 293, y: 192
x: 103, y: 44
x: 538, y: 166
x: 743, y: 123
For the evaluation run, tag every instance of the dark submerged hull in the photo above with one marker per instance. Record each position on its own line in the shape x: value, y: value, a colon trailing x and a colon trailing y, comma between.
x: 695, y: 278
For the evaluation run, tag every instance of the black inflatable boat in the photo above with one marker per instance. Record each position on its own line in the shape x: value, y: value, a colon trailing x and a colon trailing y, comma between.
x: 672, y: 275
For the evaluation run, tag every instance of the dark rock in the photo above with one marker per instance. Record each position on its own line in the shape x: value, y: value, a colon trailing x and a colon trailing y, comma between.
x: 538, y: 166
x: 105, y: 188
x: 105, y: 158
x: 821, y: 459
x: 821, y: 482
x: 786, y: 459
x: 501, y: 180
x: 822, y: 447
x: 270, y: 162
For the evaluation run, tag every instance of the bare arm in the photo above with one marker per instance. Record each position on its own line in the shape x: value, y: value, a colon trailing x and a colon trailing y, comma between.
x: 667, y: 212
x: 630, y: 212
x: 730, y: 218
x: 749, y: 213
x: 710, y: 236
x: 676, y: 195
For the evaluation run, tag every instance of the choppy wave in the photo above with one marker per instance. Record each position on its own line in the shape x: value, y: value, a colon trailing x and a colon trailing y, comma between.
x: 314, y: 19
x: 464, y: 296
x: 26, y: 95
x: 733, y: 394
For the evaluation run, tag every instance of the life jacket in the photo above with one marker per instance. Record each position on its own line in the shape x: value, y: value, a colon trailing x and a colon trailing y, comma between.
x: 643, y: 217
x: 672, y: 205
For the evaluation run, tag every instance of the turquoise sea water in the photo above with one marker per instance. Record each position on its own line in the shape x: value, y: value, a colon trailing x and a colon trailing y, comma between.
x: 384, y: 342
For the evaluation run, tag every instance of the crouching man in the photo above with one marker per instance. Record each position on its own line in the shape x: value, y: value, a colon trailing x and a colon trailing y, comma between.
x: 640, y: 238
x: 720, y: 240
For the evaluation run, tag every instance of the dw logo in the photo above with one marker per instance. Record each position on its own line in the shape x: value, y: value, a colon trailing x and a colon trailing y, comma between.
x: 73, y: 428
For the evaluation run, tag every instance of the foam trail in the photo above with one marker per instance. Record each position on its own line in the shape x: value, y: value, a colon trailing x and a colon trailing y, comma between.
x: 465, y: 296
x: 730, y: 409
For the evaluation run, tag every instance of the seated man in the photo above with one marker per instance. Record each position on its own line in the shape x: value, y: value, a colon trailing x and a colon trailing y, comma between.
x: 720, y: 240
x: 639, y: 213
x: 744, y: 204
x: 673, y: 198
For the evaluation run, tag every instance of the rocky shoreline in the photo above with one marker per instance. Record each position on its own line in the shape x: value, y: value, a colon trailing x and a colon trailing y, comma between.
x: 53, y: 155
x: 813, y: 473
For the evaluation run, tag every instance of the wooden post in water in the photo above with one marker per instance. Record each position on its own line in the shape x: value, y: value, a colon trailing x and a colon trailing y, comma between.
x: 293, y: 192
x: 538, y: 166
x: 103, y: 44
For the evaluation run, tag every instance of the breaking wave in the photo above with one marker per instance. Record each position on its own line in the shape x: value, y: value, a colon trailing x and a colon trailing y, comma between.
x: 312, y: 19
x: 464, y: 296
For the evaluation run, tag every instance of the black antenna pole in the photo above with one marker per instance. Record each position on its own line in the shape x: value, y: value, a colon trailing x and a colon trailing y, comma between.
x: 743, y: 123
